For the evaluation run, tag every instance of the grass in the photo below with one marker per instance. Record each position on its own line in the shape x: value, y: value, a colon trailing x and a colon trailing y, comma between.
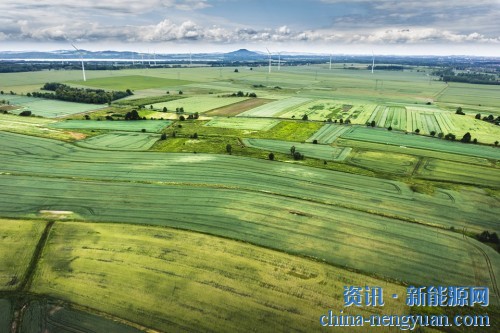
x: 244, y: 123
x: 132, y: 82
x: 5, y: 315
x: 18, y: 242
x: 419, y: 141
x: 384, y: 162
x: 193, y: 282
x: 114, y: 125
x: 298, y: 131
x: 120, y: 141
x: 321, y: 152
x: 47, y: 107
x: 34, y: 126
x: 199, y: 104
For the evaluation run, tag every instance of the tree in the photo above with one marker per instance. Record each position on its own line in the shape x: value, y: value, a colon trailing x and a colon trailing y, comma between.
x: 298, y: 156
x: 229, y: 149
x: 305, y: 117
x: 459, y: 111
x: 466, y: 138
x: 271, y: 156
x: 165, y: 109
x: 252, y: 94
x: 151, y: 107
x: 389, y: 128
x: 143, y: 130
x: 180, y: 92
x: 372, y: 124
x: 195, y: 135
x: 132, y: 115
x: 474, y: 141
x: 129, y: 92
x: 163, y: 136
x: 440, y: 135
x: 87, y: 117
x: 433, y: 133
x: 478, y: 116
x: 315, y: 141
x: 25, y: 113
x: 341, y: 120
x: 417, y: 131
x: 292, y: 150
x: 182, y: 118
x: 236, y: 70
x: 496, y: 143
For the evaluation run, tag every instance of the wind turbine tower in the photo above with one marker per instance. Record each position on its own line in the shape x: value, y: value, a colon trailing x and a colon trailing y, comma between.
x: 373, y: 61
x: 330, y: 61
x: 269, y: 59
x: 279, y: 60
x: 81, y: 58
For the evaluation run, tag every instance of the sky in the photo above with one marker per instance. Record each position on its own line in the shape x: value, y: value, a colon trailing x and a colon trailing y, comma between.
x: 406, y: 27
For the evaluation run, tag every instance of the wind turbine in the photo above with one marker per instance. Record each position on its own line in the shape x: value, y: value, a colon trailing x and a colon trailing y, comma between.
x: 330, y: 61
x: 279, y: 60
x: 373, y: 61
x: 190, y: 60
x: 269, y: 59
x: 81, y: 57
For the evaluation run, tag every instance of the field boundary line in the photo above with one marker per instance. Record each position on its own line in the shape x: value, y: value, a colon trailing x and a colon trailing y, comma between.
x: 28, y: 276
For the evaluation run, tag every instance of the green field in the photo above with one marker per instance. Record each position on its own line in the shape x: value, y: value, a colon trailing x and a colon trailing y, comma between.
x: 120, y: 141
x: 322, y: 109
x: 243, y: 123
x: 186, y: 281
x: 199, y: 104
x: 132, y: 82
x: 5, y: 315
x: 321, y: 152
x: 274, y: 109
x: 18, y: 242
x: 422, y: 142
x: 383, y: 161
x: 48, y: 107
x: 114, y: 125
x: 328, y: 133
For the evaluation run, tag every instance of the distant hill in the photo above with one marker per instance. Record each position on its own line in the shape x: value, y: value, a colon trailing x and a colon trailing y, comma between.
x: 243, y: 54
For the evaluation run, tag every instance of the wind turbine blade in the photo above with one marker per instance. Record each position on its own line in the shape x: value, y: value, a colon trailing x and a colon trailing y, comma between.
x: 268, y: 51
x: 74, y: 47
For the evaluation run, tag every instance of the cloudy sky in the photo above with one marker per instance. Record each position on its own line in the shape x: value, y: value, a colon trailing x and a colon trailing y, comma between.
x: 321, y: 26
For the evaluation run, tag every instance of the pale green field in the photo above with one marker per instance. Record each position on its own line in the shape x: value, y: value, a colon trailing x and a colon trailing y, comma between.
x: 470, y: 96
x: 120, y: 141
x: 199, y: 104
x: 132, y: 82
x: 328, y: 133
x: 114, y: 125
x: 193, y: 282
x: 322, y: 109
x: 17, y: 245
x: 274, y: 109
x: 321, y: 152
x: 32, y: 126
x: 48, y: 107
x: 391, y: 163
x: 243, y: 123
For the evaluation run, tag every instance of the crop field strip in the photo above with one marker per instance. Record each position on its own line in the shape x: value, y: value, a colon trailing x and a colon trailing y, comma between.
x: 177, y: 275
x: 48, y: 107
x: 322, y: 152
x: 258, y: 124
x: 199, y: 104
x: 384, y: 197
x: 114, y: 125
x: 237, y: 108
x: 328, y: 133
x: 391, y: 163
x: 416, y: 141
x: 120, y: 141
x: 19, y: 240
x: 275, y: 109
x: 131, y: 82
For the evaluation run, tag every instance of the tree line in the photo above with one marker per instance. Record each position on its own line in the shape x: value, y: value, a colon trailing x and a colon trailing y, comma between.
x: 91, y: 96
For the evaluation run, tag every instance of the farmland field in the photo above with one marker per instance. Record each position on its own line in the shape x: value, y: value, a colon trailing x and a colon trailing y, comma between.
x: 243, y: 123
x: 104, y: 228
x: 328, y: 133
x: 18, y: 242
x: 309, y: 150
x: 274, y: 109
x: 114, y: 125
x: 199, y: 103
x: 5, y: 315
x: 131, y: 82
x: 189, y: 281
x: 120, y: 141
x: 412, y: 140
x: 48, y: 107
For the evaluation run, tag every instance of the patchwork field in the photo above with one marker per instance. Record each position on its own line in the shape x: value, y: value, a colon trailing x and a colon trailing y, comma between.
x: 237, y: 108
x: 34, y: 126
x: 114, y: 125
x: 274, y: 109
x: 416, y: 141
x: 243, y: 123
x: 47, y: 107
x: 322, y: 109
x: 321, y: 152
x: 328, y: 133
x: 120, y: 141
x: 199, y: 104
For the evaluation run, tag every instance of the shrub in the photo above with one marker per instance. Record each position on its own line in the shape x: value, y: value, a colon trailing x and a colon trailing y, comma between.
x: 271, y: 156
x: 163, y: 136
x: 25, y: 113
